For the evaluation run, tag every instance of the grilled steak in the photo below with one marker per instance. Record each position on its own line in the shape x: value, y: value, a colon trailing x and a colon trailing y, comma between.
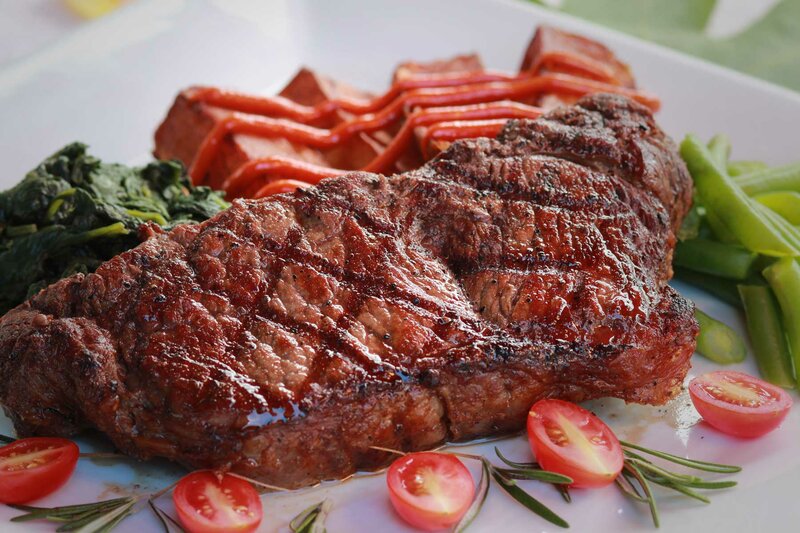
x: 285, y: 337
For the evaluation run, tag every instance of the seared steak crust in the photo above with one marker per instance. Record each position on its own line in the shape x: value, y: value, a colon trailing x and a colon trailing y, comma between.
x: 286, y: 336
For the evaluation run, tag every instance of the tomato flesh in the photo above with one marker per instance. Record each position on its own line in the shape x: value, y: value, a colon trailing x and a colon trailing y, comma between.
x: 430, y: 491
x: 33, y: 468
x: 568, y: 439
x: 208, y: 502
x: 739, y: 404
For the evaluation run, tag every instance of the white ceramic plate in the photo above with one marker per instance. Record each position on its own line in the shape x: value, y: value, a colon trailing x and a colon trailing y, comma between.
x: 110, y: 84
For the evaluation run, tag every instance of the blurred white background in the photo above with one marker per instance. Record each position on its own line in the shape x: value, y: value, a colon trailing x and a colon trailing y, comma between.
x: 27, y: 26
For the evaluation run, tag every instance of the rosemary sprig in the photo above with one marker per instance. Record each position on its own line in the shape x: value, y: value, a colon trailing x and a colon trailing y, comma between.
x: 6, y: 439
x: 505, y: 477
x: 625, y: 482
x: 98, y: 517
x: 691, y: 463
x: 531, y: 503
x: 646, y: 491
x: 533, y: 471
x: 477, y: 503
x: 515, y: 464
x: 639, y: 472
x: 564, y: 491
x: 312, y: 519
x: 166, y: 520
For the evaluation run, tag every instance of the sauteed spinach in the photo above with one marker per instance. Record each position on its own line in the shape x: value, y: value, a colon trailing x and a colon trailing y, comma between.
x: 73, y: 212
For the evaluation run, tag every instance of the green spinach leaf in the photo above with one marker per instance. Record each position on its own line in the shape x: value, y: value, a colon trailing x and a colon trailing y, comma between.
x: 73, y: 212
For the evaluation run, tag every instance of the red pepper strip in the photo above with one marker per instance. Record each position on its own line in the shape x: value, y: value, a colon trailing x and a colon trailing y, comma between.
x: 432, y: 115
x: 259, y: 171
x: 242, y: 181
x: 280, y: 107
x: 468, y: 94
x: 460, y: 129
x: 280, y: 186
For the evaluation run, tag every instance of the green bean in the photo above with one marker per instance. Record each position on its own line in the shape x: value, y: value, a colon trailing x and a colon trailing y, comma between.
x: 761, y: 263
x: 785, y: 178
x: 723, y: 289
x: 737, y: 168
x: 767, y: 335
x: 784, y: 278
x: 780, y: 224
x: 720, y: 195
x: 718, y: 342
x: 785, y: 203
x: 720, y: 148
x: 719, y: 230
x: 718, y: 259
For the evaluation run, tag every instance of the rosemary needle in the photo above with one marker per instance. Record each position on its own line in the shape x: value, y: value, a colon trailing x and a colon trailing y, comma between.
x: 311, y: 519
x: 691, y: 463
x: 83, y: 518
x: 639, y: 472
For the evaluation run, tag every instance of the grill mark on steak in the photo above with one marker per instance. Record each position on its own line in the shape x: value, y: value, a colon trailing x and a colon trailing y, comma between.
x: 284, y: 337
x: 375, y: 286
x: 501, y: 258
x: 358, y: 287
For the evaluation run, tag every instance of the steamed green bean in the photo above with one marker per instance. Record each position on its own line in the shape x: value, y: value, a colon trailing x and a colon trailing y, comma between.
x: 718, y: 342
x: 724, y: 260
x: 737, y: 168
x: 767, y: 335
x: 720, y: 148
x: 734, y: 209
x: 785, y: 203
x: 784, y: 278
x: 724, y: 289
x: 785, y: 178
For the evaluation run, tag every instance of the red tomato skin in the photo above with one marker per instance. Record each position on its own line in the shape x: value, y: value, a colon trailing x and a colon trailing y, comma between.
x: 23, y: 486
x: 549, y: 459
x: 736, y: 420
x: 420, y: 518
x: 189, y: 517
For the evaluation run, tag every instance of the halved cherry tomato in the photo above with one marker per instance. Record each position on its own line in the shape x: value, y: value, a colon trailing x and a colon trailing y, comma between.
x: 210, y: 502
x: 429, y: 490
x: 568, y: 439
x: 739, y: 404
x: 33, y: 468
